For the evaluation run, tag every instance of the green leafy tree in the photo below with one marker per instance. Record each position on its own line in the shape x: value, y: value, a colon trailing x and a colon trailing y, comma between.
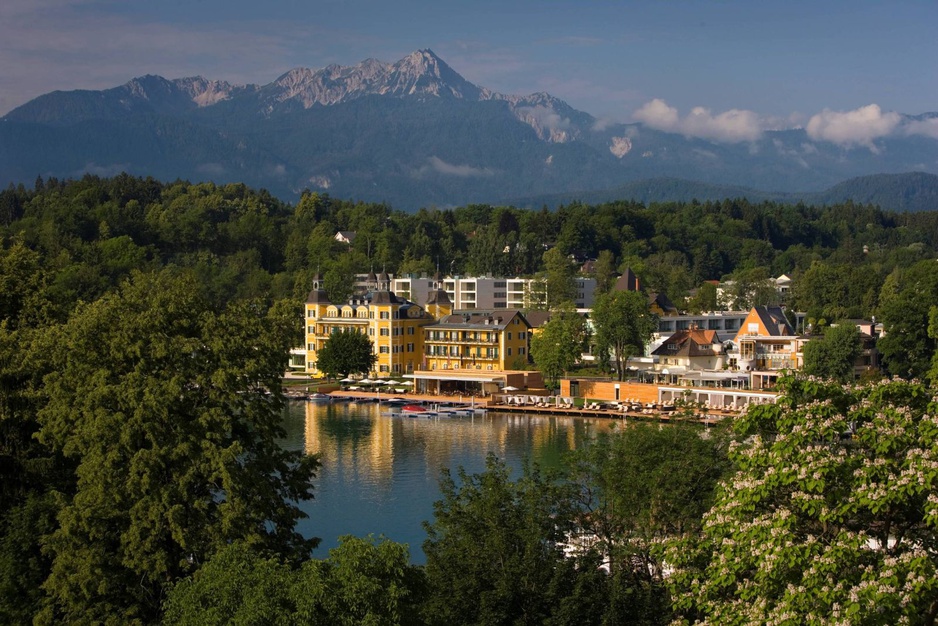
x: 906, y: 347
x: 834, y: 354
x: 638, y: 486
x: 704, y: 300
x: 363, y: 581
x: 493, y: 554
x: 170, y: 411
x: 623, y: 325
x: 559, y: 279
x: 604, y: 271
x: 830, y: 515
x: 345, y: 352
x: 752, y: 287
x: 558, y: 345
x: 933, y: 333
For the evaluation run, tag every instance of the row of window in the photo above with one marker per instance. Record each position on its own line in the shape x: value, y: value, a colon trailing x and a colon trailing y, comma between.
x: 357, y: 314
x: 395, y: 349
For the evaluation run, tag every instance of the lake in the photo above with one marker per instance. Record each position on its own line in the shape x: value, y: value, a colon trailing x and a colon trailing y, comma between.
x: 379, y: 473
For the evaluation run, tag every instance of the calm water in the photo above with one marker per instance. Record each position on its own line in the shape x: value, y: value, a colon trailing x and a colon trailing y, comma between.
x: 380, y: 473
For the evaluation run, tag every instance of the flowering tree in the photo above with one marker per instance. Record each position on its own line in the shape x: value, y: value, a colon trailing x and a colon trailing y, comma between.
x: 830, y: 518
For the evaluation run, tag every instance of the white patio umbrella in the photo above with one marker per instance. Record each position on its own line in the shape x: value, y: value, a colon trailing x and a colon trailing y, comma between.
x: 347, y: 380
x: 408, y: 383
x: 367, y: 381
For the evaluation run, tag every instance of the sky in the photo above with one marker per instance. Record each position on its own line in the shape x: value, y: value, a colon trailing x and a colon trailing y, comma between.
x: 725, y: 69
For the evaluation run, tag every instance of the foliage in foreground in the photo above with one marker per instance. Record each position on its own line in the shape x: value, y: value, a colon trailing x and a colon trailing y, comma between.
x: 170, y: 412
x: 363, y: 582
x: 830, y: 517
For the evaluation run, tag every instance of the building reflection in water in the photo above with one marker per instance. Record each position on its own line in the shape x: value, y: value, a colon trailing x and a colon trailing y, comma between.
x: 379, y: 473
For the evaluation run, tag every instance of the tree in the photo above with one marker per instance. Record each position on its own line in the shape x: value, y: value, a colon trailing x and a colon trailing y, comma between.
x: 704, y: 300
x: 829, y: 517
x: 493, y: 554
x: 752, y: 287
x: 363, y: 581
x: 638, y: 486
x: 933, y: 333
x: 170, y: 411
x: 558, y: 276
x: 345, y: 352
x: 906, y: 346
x: 558, y: 345
x: 834, y: 354
x: 604, y: 271
x: 623, y: 326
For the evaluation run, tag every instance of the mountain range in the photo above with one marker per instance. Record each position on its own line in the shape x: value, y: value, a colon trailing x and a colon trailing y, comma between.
x: 415, y: 133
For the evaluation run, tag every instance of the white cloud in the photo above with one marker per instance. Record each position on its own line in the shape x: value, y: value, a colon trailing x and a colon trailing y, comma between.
x: 544, y: 117
x: 658, y: 115
x: 858, y: 127
x: 464, y: 171
x: 733, y: 126
x: 927, y: 127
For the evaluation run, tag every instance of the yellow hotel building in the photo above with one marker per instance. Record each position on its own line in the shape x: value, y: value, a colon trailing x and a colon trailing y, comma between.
x: 477, y: 340
x: 393, y: 324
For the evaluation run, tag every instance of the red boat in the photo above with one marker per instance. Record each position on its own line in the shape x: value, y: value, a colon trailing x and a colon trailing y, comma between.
x: 416, y: 410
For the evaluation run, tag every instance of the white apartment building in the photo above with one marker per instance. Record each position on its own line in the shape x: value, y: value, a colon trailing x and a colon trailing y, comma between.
x: 486, y: 292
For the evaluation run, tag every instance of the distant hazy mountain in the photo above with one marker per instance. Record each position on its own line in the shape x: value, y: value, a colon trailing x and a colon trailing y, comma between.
x: 413, y: 133
x: 913, y: 191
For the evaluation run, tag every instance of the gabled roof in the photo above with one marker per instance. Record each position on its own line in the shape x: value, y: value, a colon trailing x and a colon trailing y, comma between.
x: 317, y: 296
x: 345, y: 235
x: 690, y: 343
x: 662, y: 301
x: 439, y: 297
x: 774, y: 320
x: 481, y: 320
x: 537, y: 318
x: 627, y: 282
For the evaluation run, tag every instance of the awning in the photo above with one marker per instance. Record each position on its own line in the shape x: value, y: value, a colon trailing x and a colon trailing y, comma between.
x: 458, y: 377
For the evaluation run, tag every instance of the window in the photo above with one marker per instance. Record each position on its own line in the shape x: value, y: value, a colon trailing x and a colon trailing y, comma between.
x: 383, y: 349
x: 371, y: 332
x: 509, y: 336
x: 384, y: 315
x: 508, y: 351
x: 410, y: 330
x: 520, y: 350
x: 410, y: 347
x: 384, y: 368
x: 522, y: 335
x: 384, y: 332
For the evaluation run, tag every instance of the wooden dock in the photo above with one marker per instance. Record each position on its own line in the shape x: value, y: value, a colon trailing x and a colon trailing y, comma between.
x: 709, y: 418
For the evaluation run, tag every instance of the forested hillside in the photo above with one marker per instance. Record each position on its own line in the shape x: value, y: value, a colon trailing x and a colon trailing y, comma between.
x: 91, y: 233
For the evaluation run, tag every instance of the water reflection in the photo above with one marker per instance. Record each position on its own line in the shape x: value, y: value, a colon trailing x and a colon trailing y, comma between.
x: 379, y: 472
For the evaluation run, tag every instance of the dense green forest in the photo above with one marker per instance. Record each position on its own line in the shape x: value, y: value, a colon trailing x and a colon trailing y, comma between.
x: 144, y: 328
x: 93, y: 232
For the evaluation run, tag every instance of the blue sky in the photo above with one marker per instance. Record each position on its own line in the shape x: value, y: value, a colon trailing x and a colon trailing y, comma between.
x: 782, y: 62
